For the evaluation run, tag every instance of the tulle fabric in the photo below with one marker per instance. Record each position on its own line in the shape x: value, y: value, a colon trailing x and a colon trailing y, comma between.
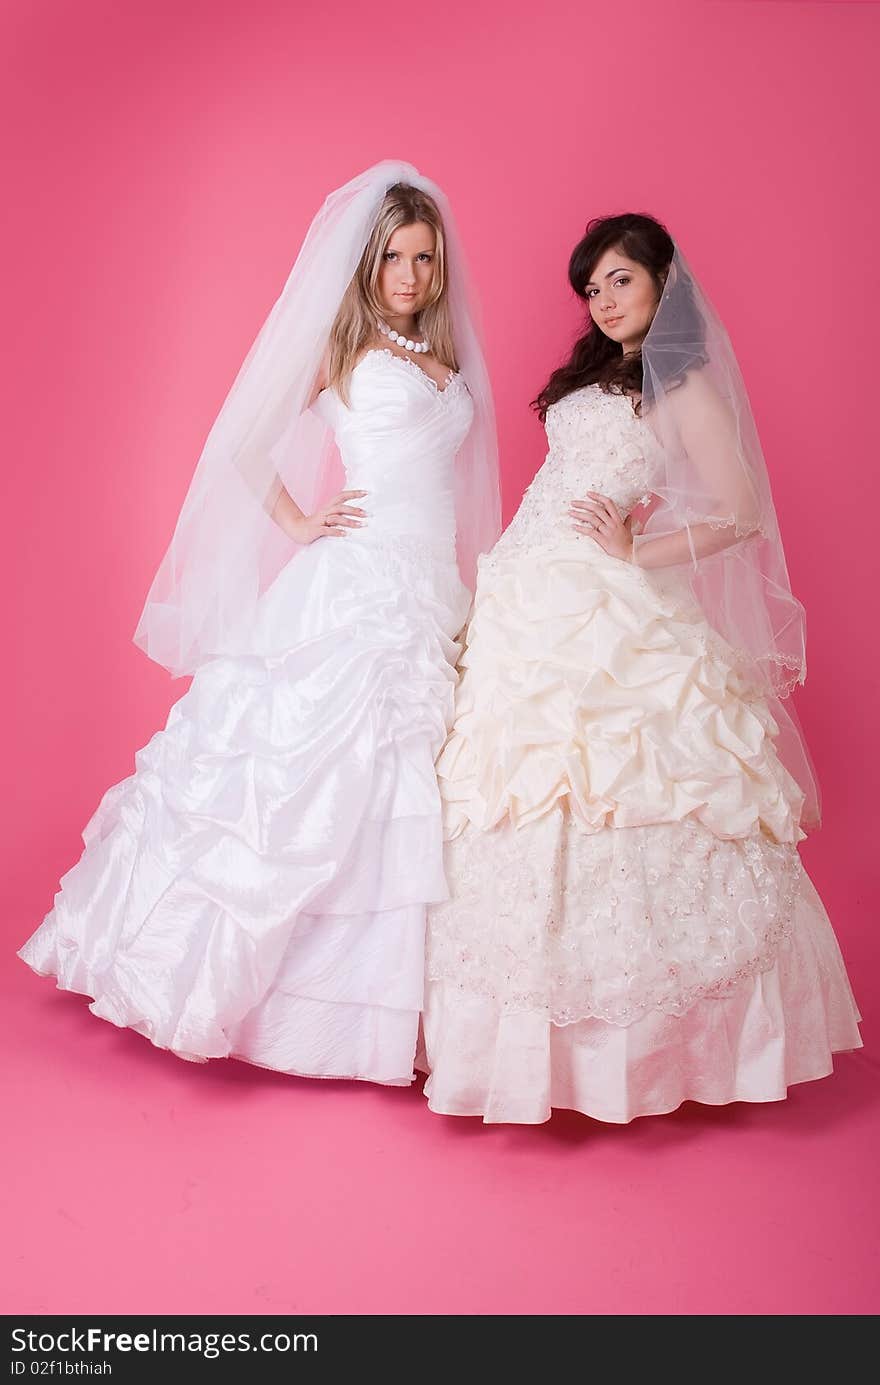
x: 710, y: 473
x: 226, y: 550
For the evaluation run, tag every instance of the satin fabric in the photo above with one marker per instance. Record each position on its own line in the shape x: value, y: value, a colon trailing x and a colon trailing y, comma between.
x: 257, y: 888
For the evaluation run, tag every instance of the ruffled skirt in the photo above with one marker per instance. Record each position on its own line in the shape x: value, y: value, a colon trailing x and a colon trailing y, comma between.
x: 258, y: 887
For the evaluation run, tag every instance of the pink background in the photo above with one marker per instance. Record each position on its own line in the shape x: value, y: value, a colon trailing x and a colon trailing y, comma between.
x: 164, y: 158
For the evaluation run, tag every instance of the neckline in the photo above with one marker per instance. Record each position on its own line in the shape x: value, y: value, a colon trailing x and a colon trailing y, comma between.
x: 603, y: 394
x: 411, y: 365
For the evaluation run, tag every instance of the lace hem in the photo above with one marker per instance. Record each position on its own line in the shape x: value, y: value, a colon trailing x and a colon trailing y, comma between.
x: 771, y: 672
x: 714, y: 521
x: 573, y: 926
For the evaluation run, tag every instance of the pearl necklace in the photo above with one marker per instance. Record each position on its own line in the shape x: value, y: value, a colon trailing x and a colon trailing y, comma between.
x: 405, y: 342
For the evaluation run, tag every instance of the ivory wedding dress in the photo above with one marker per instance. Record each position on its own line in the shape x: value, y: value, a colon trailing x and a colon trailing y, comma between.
x: 629, y: 923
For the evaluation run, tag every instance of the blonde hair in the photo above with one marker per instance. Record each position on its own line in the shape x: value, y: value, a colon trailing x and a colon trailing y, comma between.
x: 355, y: 324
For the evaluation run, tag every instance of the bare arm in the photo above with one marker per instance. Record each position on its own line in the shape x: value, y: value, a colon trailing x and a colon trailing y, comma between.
x: 707, y: 431
x: 699, y: 541
x: 335, y: 518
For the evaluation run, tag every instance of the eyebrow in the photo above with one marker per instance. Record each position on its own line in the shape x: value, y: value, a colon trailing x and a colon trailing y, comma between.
x: 610, y: 275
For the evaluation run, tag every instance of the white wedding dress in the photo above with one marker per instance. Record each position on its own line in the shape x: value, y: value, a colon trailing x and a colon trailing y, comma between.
x: 629, y: 924
x: 258, y: 887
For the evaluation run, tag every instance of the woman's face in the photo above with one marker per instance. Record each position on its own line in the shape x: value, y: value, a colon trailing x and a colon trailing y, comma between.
x: 623, y: 299
x: 407, y: 271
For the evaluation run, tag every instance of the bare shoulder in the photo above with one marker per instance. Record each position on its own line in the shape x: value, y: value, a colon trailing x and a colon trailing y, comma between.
x: 367, y: 350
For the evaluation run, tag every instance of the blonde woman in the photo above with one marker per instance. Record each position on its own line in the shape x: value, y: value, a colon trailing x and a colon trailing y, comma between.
x: 258, y: 887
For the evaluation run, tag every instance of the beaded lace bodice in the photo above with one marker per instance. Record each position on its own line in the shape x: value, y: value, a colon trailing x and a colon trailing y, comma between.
x: 596, y: 443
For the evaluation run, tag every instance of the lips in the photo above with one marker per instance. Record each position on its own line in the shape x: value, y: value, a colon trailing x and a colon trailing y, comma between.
x: 611, y: 321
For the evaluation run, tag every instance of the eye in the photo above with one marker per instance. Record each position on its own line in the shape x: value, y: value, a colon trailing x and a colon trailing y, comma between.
x: 624, y: 279
x: 592, y: 292
x: 426, y: 255
x: 391, y: 254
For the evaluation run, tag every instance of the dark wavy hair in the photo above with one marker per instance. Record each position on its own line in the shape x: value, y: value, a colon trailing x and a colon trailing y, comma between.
x: 596, y: 359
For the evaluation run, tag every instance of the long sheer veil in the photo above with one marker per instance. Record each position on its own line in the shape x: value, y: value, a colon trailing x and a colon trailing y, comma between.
x: 713, y: 481
x: 226, y: 549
